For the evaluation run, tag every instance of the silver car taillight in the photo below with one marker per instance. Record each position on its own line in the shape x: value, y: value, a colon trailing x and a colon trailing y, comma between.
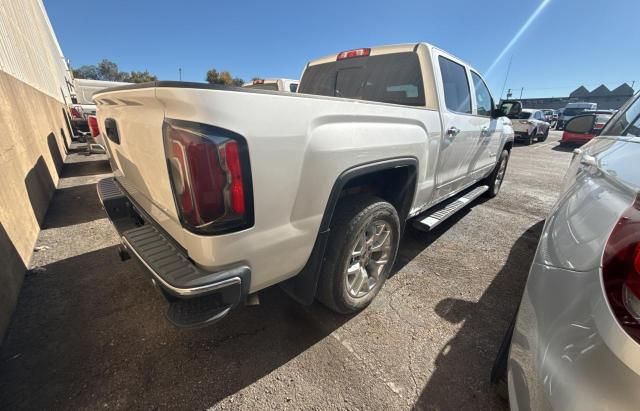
x: 621, y: 270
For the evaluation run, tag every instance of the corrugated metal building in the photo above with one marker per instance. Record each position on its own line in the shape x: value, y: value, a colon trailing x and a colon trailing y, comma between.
x: 33, y: 136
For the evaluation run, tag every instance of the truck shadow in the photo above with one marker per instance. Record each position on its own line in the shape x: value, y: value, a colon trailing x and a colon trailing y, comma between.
x: 90, y: 330
x: 462, y: 369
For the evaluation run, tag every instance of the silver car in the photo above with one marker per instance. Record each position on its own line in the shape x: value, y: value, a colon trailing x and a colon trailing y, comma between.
x: 575, y: 343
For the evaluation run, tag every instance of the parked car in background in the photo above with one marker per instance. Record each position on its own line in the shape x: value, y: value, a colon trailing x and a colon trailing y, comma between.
x: 530, y: 125
x: 82, y: 101
x: 575, y: 344
x: 238, y: 189
x: 602, y: 116
x: 279, y: 84
x: 548, y: 115
x: 571, y: 110
x: 574, y: 129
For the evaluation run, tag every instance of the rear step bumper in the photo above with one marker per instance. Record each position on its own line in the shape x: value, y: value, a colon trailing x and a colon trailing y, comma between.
x: 196, y: 297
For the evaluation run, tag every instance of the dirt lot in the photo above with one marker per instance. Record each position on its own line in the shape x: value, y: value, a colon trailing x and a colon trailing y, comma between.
x: 89, y: 330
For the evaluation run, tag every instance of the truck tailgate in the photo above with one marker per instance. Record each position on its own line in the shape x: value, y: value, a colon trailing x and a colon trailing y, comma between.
x: 137, y: 150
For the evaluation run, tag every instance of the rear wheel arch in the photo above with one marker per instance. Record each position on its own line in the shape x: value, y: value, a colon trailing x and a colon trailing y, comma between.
x: 393, y: 180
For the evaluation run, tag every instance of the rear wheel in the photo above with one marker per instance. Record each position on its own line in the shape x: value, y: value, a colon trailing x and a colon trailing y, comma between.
x: 363, y: 243
x: 528, y: 140
x: 545, y: 135
x: 495, y: 179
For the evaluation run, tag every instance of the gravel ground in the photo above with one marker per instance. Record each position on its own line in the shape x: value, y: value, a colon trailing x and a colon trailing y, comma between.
x: 89, y: 330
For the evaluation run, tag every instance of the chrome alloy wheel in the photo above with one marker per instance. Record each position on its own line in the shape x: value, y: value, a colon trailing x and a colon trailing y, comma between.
x: 368, y: 259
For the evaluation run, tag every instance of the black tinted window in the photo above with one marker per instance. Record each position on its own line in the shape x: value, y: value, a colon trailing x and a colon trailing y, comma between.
x: 389, y: 78
x: 293, y: 87
x: 456, y: 86
x: 483, y: 97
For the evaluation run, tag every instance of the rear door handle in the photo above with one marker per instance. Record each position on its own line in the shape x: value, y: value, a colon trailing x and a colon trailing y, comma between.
x: 484, y: 131
x: 453, y: 131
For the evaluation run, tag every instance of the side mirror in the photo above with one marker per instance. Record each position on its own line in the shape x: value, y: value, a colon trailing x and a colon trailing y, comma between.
x: 582, y: 124
x: 510, y: 108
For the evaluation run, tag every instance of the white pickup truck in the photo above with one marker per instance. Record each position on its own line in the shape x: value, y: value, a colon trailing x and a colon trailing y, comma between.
x: 220, y: 192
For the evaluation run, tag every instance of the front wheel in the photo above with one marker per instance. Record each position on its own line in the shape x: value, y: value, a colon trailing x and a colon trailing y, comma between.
x: 495, y: 179
x: 365, y: 233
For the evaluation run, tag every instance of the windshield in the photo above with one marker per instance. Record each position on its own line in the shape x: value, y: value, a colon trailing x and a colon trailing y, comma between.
x: 389, y: 78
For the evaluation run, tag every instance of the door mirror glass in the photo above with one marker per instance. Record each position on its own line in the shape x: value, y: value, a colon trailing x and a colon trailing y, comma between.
x: 580, y: 124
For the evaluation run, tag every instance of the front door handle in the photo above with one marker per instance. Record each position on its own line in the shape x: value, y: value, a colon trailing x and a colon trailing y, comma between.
x: 453, y: 131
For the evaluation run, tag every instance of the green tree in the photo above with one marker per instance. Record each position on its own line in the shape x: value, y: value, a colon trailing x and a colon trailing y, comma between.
x: 87, y: 71
x: 141, y: 77
x: 222, y: 77
x: 108, y: 70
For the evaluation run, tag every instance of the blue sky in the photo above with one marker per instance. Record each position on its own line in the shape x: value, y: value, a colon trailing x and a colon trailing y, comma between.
x: 571, y: 42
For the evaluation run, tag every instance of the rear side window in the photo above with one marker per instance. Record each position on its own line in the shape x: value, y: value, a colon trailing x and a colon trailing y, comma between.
x: 457, y: 96
x: 389, y: 78
x: 293, y: 87
x: 483, y: 97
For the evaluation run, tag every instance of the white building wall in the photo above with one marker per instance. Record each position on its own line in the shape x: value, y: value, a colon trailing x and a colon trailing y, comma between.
x: 29, y: 50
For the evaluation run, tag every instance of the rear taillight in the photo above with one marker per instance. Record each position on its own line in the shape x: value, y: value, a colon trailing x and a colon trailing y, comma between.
x: 75, y: 113
x: 210, y: 176
x: 598, y: 126
x: 353, y: 53
x: 93, y: 126
x: 621, y: 270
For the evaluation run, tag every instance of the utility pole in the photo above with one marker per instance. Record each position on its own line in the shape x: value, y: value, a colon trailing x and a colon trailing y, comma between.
x: 180, y: 73
x: 509, y: 94
x: 521, y: 90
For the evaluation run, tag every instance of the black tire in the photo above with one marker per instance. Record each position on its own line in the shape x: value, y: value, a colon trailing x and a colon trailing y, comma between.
x: 528, y: 140
x: 545, y: 135
x: 351, y: 219
x: 492, y: 180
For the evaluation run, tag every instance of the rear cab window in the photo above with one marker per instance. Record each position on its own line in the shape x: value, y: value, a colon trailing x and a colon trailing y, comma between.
x: 394, y: 78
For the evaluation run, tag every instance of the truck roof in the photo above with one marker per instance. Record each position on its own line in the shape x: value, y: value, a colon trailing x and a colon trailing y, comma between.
x: 375, y: 51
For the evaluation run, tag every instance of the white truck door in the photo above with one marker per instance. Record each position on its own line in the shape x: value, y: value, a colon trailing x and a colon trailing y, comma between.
x: 488, y: 130
x: 459, y: 128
